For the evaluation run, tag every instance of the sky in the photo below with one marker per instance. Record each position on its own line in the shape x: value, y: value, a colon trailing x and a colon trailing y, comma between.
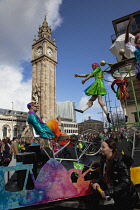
x: 82, y: 29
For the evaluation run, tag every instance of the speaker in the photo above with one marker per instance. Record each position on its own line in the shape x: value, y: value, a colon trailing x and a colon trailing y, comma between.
x: 26, y: 158
x: 136, y: 158
x: 36, y: 149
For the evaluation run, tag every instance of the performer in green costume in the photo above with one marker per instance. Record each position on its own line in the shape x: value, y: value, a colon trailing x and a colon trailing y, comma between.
x: 96, y: 90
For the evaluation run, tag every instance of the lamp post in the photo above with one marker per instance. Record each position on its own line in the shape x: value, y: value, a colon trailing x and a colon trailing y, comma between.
x: 12, y: 123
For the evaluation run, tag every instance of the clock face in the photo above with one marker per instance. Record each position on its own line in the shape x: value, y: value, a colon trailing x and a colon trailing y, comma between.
x: 39, y: 51
x: 49, y: 52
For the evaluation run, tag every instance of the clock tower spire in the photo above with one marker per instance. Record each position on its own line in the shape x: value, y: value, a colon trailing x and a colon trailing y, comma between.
x: 44, y: 62
x: 44, y: 31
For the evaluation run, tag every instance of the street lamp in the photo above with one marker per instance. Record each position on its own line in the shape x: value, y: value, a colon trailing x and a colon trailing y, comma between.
x: 12, y: 122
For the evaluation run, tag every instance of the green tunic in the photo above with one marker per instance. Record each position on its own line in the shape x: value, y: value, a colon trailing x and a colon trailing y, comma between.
x: 96, y: 88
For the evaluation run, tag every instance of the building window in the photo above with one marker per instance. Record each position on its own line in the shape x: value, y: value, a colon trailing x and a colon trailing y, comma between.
x: 23, y: 128
x: 15, y: 132
x: 5, y: 132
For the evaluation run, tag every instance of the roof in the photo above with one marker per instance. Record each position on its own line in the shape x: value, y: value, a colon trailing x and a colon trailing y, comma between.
x: 91, y: 121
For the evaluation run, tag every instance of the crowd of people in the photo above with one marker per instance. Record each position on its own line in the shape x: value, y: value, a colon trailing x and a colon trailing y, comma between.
x: 97, y: 138
x: 116, y: 136
x: 114, y: 177
x: 9, y: 148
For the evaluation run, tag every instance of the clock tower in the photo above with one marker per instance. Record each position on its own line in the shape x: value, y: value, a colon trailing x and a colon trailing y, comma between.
x: 44, y: 61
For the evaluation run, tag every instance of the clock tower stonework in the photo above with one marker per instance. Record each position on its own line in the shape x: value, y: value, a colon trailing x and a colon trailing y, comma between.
x: 44, y: 61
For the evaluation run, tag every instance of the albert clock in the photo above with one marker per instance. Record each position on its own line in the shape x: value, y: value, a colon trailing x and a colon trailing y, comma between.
x: 44, y: 62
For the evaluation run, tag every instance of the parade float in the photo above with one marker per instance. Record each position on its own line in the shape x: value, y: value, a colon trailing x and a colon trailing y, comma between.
x: 54, y: 182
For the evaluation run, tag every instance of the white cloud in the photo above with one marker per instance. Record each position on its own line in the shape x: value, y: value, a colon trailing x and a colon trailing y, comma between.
x: 13, y: 89
x: 53, y: 17
x: 85, y: 99
x: 19, y: 23
x: 110, y: 79
x: 93, y: 112
x: 119, y: 110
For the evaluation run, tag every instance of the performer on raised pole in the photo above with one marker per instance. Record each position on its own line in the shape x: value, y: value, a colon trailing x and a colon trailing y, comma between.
x: 134, y: 49
x: 121, y: 93
x: 95, y: 90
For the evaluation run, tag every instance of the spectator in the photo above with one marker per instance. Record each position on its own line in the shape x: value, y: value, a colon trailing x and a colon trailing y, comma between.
x: 22, y: 145
x: 34, y: 141
x: 15, y: 147
x: 5, y: 156
x: 115, y: 177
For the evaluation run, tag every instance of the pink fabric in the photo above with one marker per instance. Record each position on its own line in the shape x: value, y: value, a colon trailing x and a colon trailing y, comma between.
x: 97, y: 65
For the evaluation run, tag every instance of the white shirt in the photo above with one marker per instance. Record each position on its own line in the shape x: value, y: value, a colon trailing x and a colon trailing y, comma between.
x: 130, y: 47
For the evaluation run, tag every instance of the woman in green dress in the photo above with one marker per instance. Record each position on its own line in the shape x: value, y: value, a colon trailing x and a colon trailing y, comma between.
x: 95, y: 90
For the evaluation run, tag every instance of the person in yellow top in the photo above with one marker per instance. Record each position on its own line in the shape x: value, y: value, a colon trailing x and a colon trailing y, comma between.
x: 95, y: 90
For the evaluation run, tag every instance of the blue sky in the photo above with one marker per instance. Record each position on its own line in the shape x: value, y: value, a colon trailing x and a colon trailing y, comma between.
x: 82, y: 29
